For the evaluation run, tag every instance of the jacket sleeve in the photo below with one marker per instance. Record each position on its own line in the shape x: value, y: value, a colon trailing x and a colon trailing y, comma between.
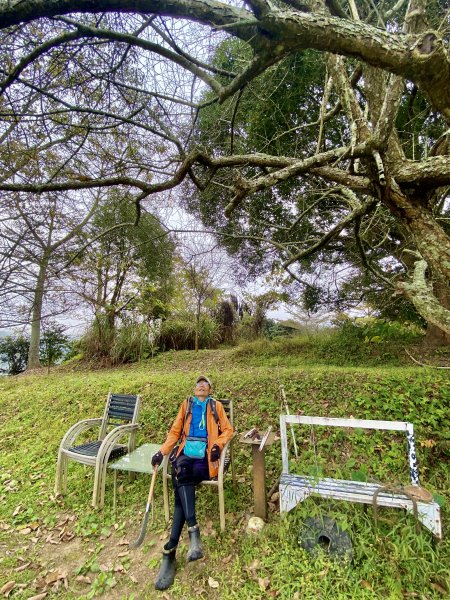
x: 175, y: 431
x: 226, y: 428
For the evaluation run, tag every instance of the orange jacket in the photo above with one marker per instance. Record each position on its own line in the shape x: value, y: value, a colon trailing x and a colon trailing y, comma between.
x: 212, y: 427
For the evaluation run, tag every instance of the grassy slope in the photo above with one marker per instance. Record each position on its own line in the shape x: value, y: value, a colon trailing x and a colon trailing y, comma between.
x: 391, y: 561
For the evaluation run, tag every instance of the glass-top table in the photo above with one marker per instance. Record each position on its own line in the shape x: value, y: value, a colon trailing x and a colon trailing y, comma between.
x: 138, y: 461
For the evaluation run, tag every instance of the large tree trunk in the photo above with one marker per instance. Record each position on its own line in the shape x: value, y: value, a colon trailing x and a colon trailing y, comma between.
x: 435, y: 336
x: 33, y: 352
x: 433, y: 258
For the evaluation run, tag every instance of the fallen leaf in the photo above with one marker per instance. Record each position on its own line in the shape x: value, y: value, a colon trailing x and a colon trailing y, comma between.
x: 263, y: 583
x: 366, y: 584
x: 25, y: 531
x: 133, y: 578
x: 55, y: 575
x: 22, y: 567
x: 227, y: 559
x: 255, y: 565
x: 213, y: 583
x: 124, y: 542
x: 17, y: 510
x: 6, y: 589
x: 84, y: 579
x: 40, y: 583
x: 439, y: 588
x: 38, y: 597
x: 126, y: 553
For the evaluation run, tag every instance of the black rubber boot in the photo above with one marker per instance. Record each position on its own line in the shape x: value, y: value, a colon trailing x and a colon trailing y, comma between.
x: 167, y: 570
x: 195, y: 545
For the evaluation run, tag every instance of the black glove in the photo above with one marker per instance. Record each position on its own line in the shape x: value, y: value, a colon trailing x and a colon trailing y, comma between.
x: 157, y: 459
x: 215, y: 453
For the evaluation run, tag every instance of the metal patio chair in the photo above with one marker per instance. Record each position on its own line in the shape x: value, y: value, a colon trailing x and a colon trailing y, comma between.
x: 119, y: 420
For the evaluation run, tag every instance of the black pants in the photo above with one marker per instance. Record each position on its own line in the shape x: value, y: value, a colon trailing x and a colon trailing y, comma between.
x: 186, y: 474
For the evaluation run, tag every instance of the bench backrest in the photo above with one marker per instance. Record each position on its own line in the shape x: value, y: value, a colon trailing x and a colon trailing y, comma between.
x: 408, y: 428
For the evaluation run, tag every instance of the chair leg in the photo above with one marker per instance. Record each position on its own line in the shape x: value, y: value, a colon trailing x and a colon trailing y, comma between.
x: 98, y: 495
x: 61, y: 474
x: 103, y: 486
x: 97, y: 484
x: 166, y: 498
x: 221, y: 508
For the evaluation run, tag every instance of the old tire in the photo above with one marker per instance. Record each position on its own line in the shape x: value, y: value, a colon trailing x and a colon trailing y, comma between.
x: 323, y: 533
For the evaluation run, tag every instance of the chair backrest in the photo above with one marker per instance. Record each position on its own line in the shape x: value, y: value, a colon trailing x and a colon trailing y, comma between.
x: 228, y: 407
x: 120, y: 409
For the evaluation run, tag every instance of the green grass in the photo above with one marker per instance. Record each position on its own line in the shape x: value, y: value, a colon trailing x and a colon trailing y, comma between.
x: 391, y: 559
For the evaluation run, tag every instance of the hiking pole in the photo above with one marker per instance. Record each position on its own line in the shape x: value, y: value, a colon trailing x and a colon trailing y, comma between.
x: 141, y: 537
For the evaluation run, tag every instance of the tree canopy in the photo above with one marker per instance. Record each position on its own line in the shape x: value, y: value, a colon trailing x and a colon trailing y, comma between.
x: 119, y: 86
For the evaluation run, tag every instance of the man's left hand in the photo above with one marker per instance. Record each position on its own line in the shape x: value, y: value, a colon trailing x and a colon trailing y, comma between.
x: 215, y: 453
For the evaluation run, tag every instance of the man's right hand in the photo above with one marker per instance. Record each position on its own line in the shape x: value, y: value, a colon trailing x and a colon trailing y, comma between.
x: 157, y: 459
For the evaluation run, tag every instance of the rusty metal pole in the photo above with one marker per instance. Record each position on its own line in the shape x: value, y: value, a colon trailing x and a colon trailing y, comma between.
x: 259, y: 482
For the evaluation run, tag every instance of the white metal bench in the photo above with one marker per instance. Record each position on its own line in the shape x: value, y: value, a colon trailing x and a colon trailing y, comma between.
x: 296, y: 488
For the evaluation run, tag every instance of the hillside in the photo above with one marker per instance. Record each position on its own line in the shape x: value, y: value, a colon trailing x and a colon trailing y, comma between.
x: 62, y: 548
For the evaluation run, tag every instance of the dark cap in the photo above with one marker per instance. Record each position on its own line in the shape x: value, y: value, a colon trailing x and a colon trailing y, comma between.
x: 203, y: 378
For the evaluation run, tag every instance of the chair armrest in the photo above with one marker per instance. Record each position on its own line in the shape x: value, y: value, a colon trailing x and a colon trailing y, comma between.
x: 72, y: 433
x: 119, y: 431
x: 113, y: 436
x: 165, y: 465
x: 223, y: 454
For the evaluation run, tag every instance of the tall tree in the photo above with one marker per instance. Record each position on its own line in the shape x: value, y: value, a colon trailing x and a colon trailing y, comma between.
x: 123, y: 265
x: 34, y: 238
x: 377, y: 56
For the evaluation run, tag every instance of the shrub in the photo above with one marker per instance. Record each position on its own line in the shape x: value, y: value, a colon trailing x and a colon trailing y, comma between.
x: 98, y: 339
x: 135, y: 341
x: 14, y: 352
x: 53, y: 344
x: 178, y: 332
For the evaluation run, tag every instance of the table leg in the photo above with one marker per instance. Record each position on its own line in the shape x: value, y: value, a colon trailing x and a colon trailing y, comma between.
x: 259, y: 482
x: 115, y: 491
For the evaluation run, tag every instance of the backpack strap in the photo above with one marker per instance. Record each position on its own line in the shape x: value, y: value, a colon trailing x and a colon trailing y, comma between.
x: 212, y: 403
x: 189, y: 403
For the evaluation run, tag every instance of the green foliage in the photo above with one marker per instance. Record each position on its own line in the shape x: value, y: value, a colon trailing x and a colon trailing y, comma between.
x: 53, y: 344
x: 14, y: 351
x: 134, y: 341
x: 178, y: 332
x: 98, y: 340
x: 272, y: 329
x: 353, y: 342
x: 373, y: 330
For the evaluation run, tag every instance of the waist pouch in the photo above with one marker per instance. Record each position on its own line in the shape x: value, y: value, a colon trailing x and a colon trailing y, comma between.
x: 195, y: 447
